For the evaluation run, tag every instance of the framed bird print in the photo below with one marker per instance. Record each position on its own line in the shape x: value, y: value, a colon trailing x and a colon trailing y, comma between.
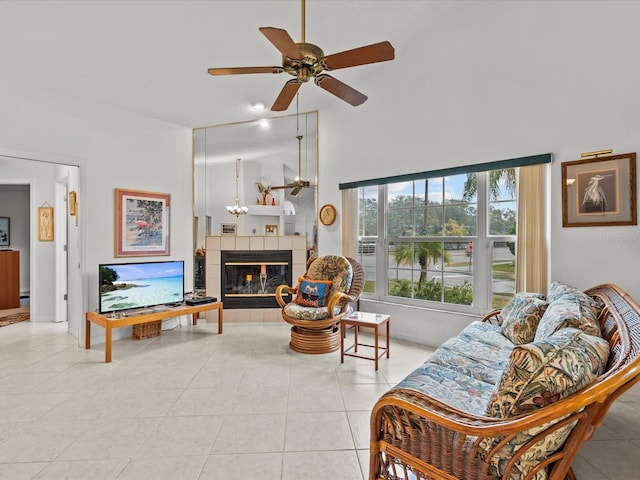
x: 142, y: 223
x: 599, y: 191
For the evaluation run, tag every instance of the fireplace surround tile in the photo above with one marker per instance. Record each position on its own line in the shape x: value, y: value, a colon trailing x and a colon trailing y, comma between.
x: 215, y: 244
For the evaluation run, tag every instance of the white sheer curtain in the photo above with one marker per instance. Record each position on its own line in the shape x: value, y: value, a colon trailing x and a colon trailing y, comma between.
x: 531, y: 252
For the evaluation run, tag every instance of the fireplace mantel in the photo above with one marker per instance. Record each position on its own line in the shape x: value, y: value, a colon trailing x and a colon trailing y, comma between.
x: 218, y: 243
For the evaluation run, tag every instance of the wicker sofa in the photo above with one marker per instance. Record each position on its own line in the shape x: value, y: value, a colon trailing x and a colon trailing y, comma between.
x: 513, y: 396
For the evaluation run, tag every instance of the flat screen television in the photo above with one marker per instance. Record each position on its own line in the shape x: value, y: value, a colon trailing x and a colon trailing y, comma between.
x: 126, y: 286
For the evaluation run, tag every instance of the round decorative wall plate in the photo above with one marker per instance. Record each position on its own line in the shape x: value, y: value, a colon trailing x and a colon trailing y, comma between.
x: 328, y: 214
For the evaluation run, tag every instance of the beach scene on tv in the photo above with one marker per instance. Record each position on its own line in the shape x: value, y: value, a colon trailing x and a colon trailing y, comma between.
x: 129, y: 286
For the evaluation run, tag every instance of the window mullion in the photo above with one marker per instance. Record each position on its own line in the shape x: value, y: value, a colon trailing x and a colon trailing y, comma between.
x: 482, y: 252
x: 382, y: 245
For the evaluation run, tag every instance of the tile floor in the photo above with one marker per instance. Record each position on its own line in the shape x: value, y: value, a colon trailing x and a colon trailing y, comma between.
x: 192, y: 404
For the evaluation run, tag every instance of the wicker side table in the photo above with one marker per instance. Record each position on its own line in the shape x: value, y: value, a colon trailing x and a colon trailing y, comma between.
x: 368, y: 320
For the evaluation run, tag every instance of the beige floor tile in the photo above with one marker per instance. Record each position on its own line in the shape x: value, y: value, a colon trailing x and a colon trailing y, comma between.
x: 110, y: 438
x: 254, y: 466
x: 94, y: 469
x: 21, y: 471
x: 322, y: 397
x: 318, y: 431
x: 251, y: 434
x: 362, y: 396
x: 336, y: 465
x: 164, y: 468
x: 181, y: 436
x: 617, y: 459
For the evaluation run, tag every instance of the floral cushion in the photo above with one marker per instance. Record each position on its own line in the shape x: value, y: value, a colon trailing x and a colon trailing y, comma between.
x: 567, y: 312
x: 335, y: 268
x: 539, y: 374
x: 312, y: 293
x: 506, y: 310
x: 311, y: 313
x: 523, y: 313
x: 472, y: 356
x: 489, y: 334
x: 450, y: 386
x: 559, y: 289
x: 463, y: 370
x: 545, y: 371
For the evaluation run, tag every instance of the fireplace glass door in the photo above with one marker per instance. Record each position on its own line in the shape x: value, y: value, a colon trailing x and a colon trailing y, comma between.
x: 250, y: 278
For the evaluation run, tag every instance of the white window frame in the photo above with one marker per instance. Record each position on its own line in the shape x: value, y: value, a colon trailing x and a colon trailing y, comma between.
x: 482, y: 281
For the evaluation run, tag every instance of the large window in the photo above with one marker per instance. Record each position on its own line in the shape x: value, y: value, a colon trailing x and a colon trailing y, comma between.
x: 446, y: 241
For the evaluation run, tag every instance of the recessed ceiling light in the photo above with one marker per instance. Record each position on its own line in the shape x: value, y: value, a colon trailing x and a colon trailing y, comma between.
x: 257, y: 106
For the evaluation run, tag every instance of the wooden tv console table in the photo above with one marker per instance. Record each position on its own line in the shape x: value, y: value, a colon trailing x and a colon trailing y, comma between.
x: 109, y: 323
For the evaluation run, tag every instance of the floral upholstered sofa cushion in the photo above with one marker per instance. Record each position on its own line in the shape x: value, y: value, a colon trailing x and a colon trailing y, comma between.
x: 521, y: 315
x: 464, y: 369
x: 537, y: 375
x: 568, y: 308
x: 545, y: 371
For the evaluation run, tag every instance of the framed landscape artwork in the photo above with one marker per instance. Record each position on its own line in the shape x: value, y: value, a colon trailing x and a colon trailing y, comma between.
x: 599, y: 191
x: 142, y: 223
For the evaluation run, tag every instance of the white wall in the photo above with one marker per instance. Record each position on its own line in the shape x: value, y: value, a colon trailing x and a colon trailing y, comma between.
x: 492, y: 81
x: 114, y: 149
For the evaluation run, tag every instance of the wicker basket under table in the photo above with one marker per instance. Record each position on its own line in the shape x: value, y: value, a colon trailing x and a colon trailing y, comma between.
x: 147, y: 330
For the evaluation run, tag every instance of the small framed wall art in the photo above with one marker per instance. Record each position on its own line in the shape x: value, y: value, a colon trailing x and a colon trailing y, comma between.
x: 5, y: 238
x: 271, y: 230
x: 142, y: 223
x: 599, y: 191
x: 229, y: 229
x: 45, y: 224
x: 72, y: 202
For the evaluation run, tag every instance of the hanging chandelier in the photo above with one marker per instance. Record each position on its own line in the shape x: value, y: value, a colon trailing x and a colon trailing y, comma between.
x: 236, y: 209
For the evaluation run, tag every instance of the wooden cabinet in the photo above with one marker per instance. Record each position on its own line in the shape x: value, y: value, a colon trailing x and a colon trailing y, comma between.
x: 9, y: 279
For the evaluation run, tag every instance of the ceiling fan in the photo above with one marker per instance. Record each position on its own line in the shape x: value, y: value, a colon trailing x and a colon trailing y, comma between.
x: 298, y: 184
x: 305, y: 60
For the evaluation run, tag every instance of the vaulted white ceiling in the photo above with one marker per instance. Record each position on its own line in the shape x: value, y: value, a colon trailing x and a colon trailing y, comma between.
x: 151, y: 57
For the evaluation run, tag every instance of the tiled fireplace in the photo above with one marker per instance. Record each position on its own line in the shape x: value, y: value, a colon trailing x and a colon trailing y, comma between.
x: 266, y: 254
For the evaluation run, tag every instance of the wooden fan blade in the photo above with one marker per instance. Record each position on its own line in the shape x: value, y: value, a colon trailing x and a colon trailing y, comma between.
x: 376, y: 52
x: 341, y: 90
x: 282, y: 41
x: 286, y: 96
x: 242, y: 70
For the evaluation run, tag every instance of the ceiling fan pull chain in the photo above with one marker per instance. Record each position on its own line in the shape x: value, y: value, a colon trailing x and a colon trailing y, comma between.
x: 303, y: 23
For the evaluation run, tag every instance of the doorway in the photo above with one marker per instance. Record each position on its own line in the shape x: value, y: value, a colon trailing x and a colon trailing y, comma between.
x: 14, y: 226
x: 44, y: 265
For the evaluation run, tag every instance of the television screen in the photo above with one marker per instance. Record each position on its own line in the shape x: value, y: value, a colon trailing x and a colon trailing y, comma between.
x: 125, y: 286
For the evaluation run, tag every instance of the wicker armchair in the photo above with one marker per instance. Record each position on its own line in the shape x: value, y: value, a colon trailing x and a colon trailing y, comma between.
x: 317, y: 329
